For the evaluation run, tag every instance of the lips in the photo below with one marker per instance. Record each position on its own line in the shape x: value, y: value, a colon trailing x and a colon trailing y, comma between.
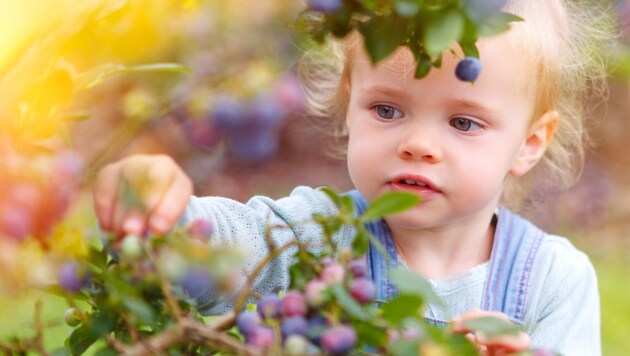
x: 415, y: 183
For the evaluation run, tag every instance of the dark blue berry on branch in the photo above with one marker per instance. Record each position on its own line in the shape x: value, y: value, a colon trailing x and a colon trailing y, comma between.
x: 468, y: 69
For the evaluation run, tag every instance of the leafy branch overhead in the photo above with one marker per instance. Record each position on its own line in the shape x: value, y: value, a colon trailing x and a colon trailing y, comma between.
x: 426, y: 27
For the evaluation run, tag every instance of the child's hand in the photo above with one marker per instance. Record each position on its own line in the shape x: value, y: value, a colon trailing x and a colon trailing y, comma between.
x: 161, y: 186
x: 496, y: 345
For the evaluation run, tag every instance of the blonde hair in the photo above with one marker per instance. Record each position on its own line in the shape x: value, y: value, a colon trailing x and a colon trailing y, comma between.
x: 565, y: 41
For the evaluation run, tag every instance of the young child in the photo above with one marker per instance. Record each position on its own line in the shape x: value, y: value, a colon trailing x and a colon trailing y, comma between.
x: 467, y: 150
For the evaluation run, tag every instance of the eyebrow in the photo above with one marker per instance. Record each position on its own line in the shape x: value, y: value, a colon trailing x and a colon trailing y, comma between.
x: 470, y: 104
x: 382, y: 89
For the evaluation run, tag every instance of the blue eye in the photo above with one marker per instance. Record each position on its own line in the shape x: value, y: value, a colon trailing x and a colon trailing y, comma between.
x: 464, y: 124
x: 388, y: 112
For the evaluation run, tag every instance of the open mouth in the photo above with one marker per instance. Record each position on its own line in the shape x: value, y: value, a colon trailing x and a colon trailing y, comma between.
x: 413, y: 182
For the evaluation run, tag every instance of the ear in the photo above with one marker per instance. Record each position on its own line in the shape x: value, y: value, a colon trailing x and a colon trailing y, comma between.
x: 535, y: 144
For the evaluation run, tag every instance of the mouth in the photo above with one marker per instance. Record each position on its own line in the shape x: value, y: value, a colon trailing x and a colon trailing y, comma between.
x: 414, y: 182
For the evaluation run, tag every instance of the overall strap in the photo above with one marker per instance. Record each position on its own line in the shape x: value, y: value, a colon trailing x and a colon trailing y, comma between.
x: 516, y: 243
x: 377, y: 264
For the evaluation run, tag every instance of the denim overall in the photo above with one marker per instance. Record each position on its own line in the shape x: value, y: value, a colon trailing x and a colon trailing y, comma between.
x: 516, y: 243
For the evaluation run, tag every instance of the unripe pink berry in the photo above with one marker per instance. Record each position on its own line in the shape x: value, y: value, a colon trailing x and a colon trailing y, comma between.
x: 333, y: 273
x: 293, y: 304
x: 314, y: 292
x: 363, y: 290
x: 339, y: 340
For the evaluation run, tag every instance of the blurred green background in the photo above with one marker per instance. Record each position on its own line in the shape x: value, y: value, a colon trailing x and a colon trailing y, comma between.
x: 243, y: 53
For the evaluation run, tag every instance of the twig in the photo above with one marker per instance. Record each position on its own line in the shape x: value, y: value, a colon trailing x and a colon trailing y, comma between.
x: 252, y: 276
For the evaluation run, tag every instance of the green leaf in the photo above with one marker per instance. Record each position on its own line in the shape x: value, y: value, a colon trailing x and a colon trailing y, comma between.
x: 347, y: 302
x: 493, y: 326
x: 63, y: 351
x: 443, y: 31
x: 496, y: 24
x: 371, y: 334
x: 347, y: 205
x: 405, y: 347
x: 80, y: 339
x: 424, y: 66
x: 102, y: 323
x: 140, y: 309
x: 97, y: 75
x: 408, y: 8
x: 389, y: 203
x: 361, y: 242
x: 105, y: 351
x: 383, y: 35
x: 402, y: 307
x: 336, y: 199
x: 409, y: 282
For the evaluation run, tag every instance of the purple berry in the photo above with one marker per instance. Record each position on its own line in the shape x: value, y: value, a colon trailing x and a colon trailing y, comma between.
x: 326, y: 6
x: 201, y: 229
x: 295, y: 325
x: 248, y: 321
x: 333, y: 273
x: 339, y: 340
x: 363, y: 290
x: 227, y: 112
x: 314, y: 292
x: 260, y: 337
x: 292, y: 304
x: 358, y: 268
x: 316, y: 327
x: 196, y: 283
x: 72, y: 277
x: 468, y: 69
x: 203, y: 134
x: 269, y: 306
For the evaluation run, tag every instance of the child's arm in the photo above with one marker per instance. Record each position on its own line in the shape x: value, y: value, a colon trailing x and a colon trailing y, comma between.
x: 498, y: 345
x: 162, y: 186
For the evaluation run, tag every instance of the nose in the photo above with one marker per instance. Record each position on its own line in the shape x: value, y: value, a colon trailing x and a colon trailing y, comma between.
x: 420, y: 145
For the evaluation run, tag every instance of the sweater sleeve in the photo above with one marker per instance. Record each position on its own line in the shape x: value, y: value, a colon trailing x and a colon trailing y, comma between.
x: 567, y: 314
x: 244, y: 226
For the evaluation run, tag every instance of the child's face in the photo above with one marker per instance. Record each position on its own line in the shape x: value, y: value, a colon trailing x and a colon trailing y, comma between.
x: 460, y: 139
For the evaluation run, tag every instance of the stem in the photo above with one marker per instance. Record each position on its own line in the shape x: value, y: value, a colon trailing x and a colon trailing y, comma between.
x: 240, y: 301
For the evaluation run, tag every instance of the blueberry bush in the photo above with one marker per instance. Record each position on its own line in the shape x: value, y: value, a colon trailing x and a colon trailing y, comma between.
x: 137, y: 295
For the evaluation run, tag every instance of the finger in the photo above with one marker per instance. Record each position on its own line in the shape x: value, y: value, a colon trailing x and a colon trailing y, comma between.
x: 105, y: 194
x: 458, y: 324
x: 172, y: 205
x: 160, y: 174
x: 505, y: 344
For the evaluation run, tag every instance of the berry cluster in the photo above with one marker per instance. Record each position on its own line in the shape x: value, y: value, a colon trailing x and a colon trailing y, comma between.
x: 249, y: 129
x: 299, y: 321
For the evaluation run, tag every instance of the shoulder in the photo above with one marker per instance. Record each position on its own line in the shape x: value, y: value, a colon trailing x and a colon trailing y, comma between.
x: 558, y: 257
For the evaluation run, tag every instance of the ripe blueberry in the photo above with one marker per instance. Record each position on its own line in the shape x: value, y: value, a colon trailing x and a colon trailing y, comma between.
x: 196, y: 283
x: 247, y: 321
x: 339, y: 340
x: 72, y: 277
x: 269, y: 306
x: 326, y: 6
x: 468, y: 69
x: 295, y: 325
x: 363, y: 290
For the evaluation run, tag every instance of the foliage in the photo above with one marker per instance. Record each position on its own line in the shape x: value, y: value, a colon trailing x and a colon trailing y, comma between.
x: 427, y: 28
x: 140, y: 296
